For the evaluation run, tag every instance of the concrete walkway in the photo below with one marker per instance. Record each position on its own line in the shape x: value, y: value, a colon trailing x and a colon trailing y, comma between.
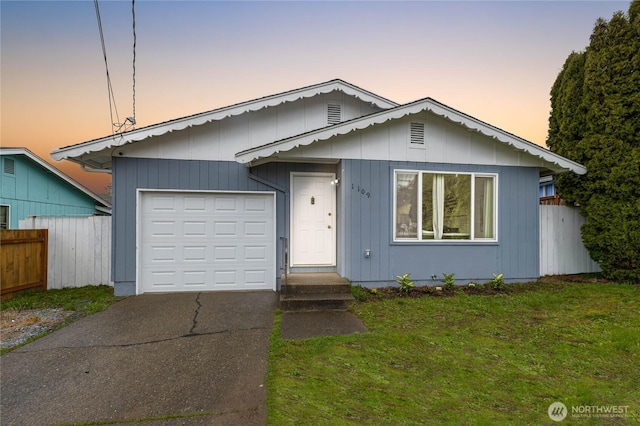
x: 178, y: 359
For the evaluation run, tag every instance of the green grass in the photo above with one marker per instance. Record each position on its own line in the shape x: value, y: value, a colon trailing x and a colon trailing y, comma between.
x: 89, y: 299
x: 500, y: 359
x: 81, y: 300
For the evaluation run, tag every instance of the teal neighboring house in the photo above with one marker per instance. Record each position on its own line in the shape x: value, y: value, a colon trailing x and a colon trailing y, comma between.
x: 29, y: 186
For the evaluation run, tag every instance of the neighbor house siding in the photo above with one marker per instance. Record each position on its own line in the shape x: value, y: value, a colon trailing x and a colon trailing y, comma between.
x: 34, y: 191
x: 131, y: 174
x: 367, y: 221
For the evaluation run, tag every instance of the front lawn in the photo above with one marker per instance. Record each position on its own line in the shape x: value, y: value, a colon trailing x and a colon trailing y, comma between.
x: 468, y: 359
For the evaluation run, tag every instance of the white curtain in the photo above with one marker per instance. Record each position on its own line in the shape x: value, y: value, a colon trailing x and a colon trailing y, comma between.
x: 488, y: 208
x: 438, y: 206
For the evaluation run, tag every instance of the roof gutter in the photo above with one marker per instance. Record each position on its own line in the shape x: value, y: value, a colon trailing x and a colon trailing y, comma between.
x: 83, y: 166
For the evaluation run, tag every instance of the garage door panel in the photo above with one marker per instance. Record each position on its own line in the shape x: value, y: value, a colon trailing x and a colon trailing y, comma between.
x: 162, y: 203
x: 165, y: 279
x: 194, y: 279
x: 194, y: 254
x: 163, y: 228
x: 193, y: 228
x: 255, y: 229
x: 160, y: 254
x: 193, y: 203
x: 225, y: 253
x: 255, y: 253
x: 253, y: 277
x: 225, y: 204
x: 225, y: 278
x: 253, y: 205
x: 209, y: 241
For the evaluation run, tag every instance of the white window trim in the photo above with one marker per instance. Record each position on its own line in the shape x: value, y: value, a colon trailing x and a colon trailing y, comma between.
x: 472, y: 238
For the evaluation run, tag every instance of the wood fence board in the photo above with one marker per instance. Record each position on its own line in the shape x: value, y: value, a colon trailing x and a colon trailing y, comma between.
x: 23, y: 261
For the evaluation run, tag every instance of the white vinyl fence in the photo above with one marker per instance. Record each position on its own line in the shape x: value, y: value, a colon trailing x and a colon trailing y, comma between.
x: 79, y: 249
x: 561, y: 248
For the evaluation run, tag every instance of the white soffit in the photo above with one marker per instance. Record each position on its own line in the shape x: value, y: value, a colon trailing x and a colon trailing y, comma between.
x: 96, y: 145
x: 262, y: 152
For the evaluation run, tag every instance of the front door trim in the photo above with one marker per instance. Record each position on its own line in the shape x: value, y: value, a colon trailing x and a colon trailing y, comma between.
x: 330, y: 221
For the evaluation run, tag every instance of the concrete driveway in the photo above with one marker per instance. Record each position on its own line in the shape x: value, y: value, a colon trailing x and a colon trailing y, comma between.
x: 173, y: 359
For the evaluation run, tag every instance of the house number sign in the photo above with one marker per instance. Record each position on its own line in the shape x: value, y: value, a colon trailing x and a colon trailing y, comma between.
x: 360, y: 190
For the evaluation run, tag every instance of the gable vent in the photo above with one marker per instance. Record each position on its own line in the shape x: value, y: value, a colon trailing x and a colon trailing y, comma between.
x: 417, y: 133
x: 334, y: 113
x: 9, y: 166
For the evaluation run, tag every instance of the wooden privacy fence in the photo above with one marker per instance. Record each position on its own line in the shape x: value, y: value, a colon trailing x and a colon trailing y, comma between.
x: 79, y: 249
x: 23, y: 261
x: 561, y: 248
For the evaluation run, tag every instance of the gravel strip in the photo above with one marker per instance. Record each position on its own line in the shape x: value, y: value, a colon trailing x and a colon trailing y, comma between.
x: 19, y: 326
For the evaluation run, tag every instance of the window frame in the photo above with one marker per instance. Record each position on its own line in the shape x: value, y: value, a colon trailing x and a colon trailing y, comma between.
x: 419, y: 238
x: 8, y: 218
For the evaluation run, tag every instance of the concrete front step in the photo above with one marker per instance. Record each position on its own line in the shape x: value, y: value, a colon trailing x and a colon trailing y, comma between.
x: 315, y: 292
x: 318, y: 289
x: 315, y: 302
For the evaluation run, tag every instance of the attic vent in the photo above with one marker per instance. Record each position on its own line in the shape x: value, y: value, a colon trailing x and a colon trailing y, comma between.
x: 9, y: 166
x: 417, y: 133
x: 334, y: 113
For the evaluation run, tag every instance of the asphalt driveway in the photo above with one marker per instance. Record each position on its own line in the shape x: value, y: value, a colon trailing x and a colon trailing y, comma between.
x: 174, y: 359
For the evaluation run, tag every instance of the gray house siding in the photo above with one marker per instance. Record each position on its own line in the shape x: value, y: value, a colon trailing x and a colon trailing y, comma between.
x: 365, y: 215
x: 367, y: 202
x: 130, y: 174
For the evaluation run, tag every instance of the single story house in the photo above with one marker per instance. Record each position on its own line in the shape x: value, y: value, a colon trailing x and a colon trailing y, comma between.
x: 325, y: 178
x: 29, y: 186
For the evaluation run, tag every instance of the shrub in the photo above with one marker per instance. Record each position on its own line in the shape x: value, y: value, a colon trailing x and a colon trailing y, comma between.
x: 449, y: 281
x: 498, y: 282
x: 405, y: 282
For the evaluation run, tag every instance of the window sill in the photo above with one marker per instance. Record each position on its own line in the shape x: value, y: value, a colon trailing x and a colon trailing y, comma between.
x: 445, y: 242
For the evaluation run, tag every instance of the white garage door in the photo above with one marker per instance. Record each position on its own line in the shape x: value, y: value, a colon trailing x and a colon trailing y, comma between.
x: 194, y: 241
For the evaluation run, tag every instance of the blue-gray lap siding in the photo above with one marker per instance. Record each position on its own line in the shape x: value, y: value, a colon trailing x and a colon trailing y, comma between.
x: 366, y: 199
x: 365, y: 218
x: 130, y: 174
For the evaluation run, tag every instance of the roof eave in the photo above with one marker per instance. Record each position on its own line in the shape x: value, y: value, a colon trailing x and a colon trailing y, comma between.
x: 159, y: 129
x: 554, y: 161
x: 26, y: 152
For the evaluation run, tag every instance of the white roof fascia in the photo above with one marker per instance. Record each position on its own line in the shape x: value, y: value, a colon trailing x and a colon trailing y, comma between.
x: 96, y: 145
x: 249, y: 156
x: 49, y: 167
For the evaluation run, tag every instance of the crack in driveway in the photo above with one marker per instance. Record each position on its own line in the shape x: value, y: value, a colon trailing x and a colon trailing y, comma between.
x: 195, y: 316
x: 149, y: 342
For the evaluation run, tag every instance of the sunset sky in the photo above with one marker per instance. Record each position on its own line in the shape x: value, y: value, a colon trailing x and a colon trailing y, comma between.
x: 495, y: 61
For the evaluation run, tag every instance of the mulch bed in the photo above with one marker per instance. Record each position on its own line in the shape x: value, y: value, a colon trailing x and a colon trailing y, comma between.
x: 440, y: 290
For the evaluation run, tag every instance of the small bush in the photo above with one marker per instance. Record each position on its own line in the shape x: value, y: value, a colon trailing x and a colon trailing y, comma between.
x: 405, y: 282
x: 449, y: 281
x: 498, y: 282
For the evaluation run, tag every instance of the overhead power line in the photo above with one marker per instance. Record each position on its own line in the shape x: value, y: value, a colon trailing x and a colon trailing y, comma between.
x: 133, y: 18
x: 116, y: 125
x: 112, y: 101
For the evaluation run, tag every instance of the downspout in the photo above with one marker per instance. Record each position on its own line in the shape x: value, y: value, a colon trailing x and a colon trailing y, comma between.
x: 285, y: 242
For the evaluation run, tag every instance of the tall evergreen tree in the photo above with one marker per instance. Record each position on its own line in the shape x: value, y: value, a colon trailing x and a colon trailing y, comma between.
x: 595, y: 120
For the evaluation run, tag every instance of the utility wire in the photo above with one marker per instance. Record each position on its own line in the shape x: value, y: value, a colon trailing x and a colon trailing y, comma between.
x: 112, y: 100
x: 133, y: 16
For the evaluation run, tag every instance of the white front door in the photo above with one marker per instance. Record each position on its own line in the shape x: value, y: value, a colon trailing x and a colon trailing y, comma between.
x: 313, y: 219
